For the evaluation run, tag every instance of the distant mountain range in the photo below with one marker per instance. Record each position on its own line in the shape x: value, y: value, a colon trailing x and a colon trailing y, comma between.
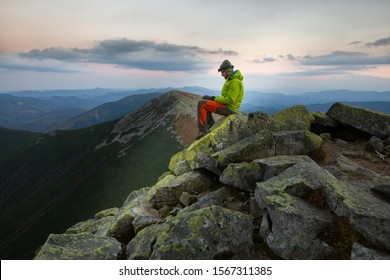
x: 48, y: 182
x: 43, y: 111
x: 108, y: 111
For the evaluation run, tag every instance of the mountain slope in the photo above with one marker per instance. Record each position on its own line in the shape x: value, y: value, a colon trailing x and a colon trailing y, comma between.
x: 54, y: 180
x: 109, y: 111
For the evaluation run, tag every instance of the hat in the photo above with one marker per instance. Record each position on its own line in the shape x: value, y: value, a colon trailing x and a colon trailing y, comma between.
x: 225, y: 66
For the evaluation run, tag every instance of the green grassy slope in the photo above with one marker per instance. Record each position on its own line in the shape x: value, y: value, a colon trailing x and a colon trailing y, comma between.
x: 48, y: 187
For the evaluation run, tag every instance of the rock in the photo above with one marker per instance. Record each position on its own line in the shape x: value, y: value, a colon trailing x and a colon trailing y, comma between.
x: 325, y: 136
x: 242, y: 175
x: 353, y: 169
x: 323, y: 120
x: 341, y: 142
x: 208, y: 233
x: 215, y: 198
x: 266, y: 144
x: 82, y: 246
x: 273, y: 166
x: 187, y: 199
x: 179, y: 164
x: 292, y: 226
x: 260, y: 121
x: 374, y: 123
x: 169, y: 190
x: 293, y: 231
x: 136, y: 194
x: 369, y: 214
x: 359, y: 252
x: 301, y: 142
x: 107, y: 213
x: 376, y: 144
x: 382, y: 191
x: 227, y: 131
x: 294, y: 118
x: 245, y: 175
x: 260, y: 145
x: 254, y: 209
x: 90, y: 226
x: 136, y: 213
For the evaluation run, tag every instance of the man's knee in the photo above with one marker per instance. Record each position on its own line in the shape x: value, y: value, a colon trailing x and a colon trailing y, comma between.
x: 201, y: 102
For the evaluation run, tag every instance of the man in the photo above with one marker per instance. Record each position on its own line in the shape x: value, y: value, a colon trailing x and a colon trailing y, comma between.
x: 228, y: 103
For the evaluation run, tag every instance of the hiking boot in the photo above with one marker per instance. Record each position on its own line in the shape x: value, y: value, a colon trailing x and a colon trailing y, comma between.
x: 202, y: 132
x: 210, y: 123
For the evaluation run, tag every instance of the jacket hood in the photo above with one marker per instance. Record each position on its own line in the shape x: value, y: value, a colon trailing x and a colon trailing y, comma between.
x: 236, y: 75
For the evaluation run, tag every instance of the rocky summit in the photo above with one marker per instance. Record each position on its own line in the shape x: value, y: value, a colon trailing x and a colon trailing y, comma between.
x: 293, y: 185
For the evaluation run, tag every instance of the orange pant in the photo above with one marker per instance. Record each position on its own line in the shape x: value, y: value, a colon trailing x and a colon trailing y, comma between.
x: 206, y: 107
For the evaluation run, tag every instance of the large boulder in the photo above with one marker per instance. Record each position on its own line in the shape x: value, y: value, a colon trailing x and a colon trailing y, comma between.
x: 260, y: 145
x: 360, y: 252
x: 294, y: 118
x: 245, y: 175
x: 369, y: 214
x: 225, y: 132
x: 208, y: 233
x: 102, y: 220
x: 141, y: 207
x: 374, y: 123
x: 136, y: 213
x: 81, y: 246
x: 267, y: 144
x: 168, y: 190
x: 292, y: 226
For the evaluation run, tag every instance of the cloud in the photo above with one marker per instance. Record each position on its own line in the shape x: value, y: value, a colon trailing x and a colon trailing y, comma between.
x: 263, y: 60
x: 126, y: 53
x: 379, y: 42
x: 35, y: 68
x: 355, y: 43
x: 326, y: 71
x: 346, y: 58
x: 291, y: 57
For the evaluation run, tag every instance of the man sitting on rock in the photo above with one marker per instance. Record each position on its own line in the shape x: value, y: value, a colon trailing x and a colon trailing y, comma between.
x: 228, y: 103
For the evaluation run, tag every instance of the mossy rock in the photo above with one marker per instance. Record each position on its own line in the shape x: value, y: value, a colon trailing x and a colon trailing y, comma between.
x: 294, y: 118
x: 82, y: 246
x: 372, y: 122
x: 90, y: 226
x: 207, y: 233
x: 168, y: 190
x: 369, y: 214
x: 260, y: 145
x: 178, y: 164
x: 225, y: 132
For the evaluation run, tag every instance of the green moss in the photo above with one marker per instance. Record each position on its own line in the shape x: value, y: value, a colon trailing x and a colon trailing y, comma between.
x: 315, y: 140
x: 294, y: 118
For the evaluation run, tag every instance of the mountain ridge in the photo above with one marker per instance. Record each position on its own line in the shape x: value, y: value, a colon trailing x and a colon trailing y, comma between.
x: 55, y: 174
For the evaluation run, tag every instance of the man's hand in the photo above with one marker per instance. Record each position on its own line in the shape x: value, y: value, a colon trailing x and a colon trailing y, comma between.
x: 208, y: 97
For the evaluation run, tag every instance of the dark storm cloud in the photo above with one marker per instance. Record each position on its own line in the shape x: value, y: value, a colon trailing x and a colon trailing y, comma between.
x: 127, y: 53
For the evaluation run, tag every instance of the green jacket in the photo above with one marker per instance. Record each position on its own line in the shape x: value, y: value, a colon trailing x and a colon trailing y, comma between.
x: 232, y: 91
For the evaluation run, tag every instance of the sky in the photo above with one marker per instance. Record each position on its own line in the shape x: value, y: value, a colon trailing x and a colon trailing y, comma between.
x: 288, y: 46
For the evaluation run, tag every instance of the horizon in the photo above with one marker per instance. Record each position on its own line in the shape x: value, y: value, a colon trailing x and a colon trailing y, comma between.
x: 278, y: 46
x: 252, y: 90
